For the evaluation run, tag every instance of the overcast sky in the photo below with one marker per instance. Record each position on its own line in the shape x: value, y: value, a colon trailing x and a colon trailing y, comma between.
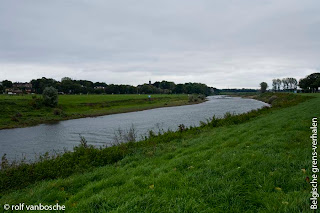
x: 225, y: 44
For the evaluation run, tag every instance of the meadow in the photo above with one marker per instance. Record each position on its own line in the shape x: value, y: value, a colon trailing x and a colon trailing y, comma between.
x: 254, y: 162
x: 27, y: 110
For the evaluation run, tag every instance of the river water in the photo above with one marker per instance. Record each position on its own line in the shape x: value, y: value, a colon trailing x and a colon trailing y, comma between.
x: 30, y: 141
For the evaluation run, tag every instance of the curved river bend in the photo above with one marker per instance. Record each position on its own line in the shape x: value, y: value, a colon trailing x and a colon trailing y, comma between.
x: 99, y: 131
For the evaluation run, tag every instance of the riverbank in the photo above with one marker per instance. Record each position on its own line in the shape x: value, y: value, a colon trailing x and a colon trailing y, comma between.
x: 277, y: 100
x: 23, y: 111
x: 101, y: 131
x: 256, y: 161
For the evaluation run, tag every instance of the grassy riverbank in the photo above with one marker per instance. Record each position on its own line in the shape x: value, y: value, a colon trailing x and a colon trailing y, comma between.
x: 256, y: 162
x: 21, y: 111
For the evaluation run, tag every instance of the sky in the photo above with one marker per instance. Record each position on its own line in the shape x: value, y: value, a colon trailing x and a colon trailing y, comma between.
x: 224, y: 44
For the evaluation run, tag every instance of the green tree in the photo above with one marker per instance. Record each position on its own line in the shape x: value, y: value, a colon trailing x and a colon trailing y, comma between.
x: 285, y: 82
x: 50, y: 96
x: 310, y: 83
x: 279, y: 82
x: 263, y: 87
x: 274, y: 84
x: 292, y: 83
x: 38, y: 85
x: 180, y: 88
x: 7, y: 84
x: 67, y: 86
x: 66, y: 79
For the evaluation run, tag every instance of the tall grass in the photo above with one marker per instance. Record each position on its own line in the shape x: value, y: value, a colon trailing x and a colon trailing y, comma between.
x: 125, y: 136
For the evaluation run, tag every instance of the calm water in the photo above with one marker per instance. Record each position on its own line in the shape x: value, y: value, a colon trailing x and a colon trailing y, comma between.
x: 100, y: 131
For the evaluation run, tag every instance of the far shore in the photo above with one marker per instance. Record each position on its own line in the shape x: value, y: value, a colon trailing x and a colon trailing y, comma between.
x: 20, y: 114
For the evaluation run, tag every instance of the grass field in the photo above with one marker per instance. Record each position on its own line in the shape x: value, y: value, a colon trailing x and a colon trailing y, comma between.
x: 257, y: 166
x: 20, y: 111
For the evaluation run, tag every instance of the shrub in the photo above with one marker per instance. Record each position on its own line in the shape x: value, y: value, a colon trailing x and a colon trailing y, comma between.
x: 57, y: 111
x: 182, y: 127
x: 125, y: 136
x: 50, y: 96
x: 4, y: 162
x: 18, y: 115
x: 196, y: 97
x: 15, y: 118
x: 272, y: 98
x: 36, y: 103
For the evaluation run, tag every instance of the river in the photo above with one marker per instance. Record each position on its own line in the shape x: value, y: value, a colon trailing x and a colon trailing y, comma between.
x: 31, y: 141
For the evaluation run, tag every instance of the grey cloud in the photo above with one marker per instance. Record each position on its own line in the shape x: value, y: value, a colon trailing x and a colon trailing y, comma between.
x: 221, y: 43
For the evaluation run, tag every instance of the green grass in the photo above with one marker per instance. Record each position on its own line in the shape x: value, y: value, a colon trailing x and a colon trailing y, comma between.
x: 254, y: 166
x: 21, y: 111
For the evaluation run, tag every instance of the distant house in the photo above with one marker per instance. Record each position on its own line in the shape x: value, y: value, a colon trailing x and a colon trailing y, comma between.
x: 24, y: 87
x: 12, y: 91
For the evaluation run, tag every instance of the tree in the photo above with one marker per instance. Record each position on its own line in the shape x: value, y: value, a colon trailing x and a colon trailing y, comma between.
x: 67, y: 85
x: 38, y: 85
x: 156, y: 84
x: 274, y: 84
x: 285, y: 83
x: 292, y: 83
x: 279, y: 82
x: 50, y: 96
x: 147, y: 89
x: 7, y: 84
x: 295, y: 84
x: 288, y: 83
x: 66, y: 79
x: 303, y: 84
x: 310, y: 83
x: 263, y: 87
x: 167, y: 85
x: 180, y: 88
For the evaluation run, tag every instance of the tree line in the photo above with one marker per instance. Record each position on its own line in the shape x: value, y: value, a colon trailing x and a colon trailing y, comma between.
x: 310, y: 83
x: 70, y: 86
x: 287, y: 84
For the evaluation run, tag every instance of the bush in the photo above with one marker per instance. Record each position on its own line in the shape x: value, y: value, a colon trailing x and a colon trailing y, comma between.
x: 18, y: 115
x: 272, y: 98
x: 59, y: 112
x: 50, y: 96
x: 36, y: 103
x: 196, y: 97
x: 14, y: 118
x: 125, y: 136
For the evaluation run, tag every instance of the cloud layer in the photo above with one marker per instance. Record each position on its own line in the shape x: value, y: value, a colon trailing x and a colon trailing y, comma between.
x: 221, y: 43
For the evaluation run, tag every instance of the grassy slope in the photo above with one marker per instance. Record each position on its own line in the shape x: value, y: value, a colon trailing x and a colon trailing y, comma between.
x: 77, y: 106
x: 255, y: 166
